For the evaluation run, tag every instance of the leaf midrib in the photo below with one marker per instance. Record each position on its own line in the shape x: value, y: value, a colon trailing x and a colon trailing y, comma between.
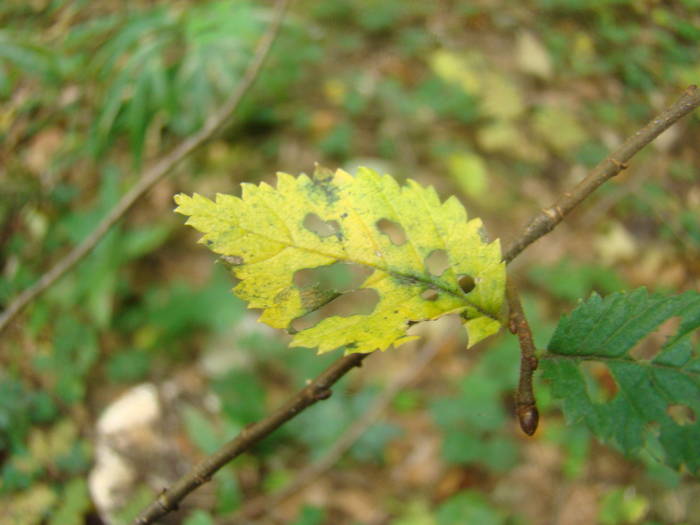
x: 376, y: 267
x: 626, y: 360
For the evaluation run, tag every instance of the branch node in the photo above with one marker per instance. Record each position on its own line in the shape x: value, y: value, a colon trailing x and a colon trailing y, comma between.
x: 201, y: 479
x: 321, y: 394
x: 534, y: 363
x: 513, y: 325
x: 555, y: 213
x: 619, y: 165
x: 163, y: 502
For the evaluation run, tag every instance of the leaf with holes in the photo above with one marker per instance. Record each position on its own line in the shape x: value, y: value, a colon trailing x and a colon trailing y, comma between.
x: 397, y: 234
x: 653, y: 398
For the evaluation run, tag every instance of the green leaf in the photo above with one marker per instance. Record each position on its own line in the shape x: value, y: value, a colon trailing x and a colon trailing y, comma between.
x: 199, y: 517
x: 201, y: 430
x: 655, y: 398
x: 622, y: 506
x: 74, y: 504
x: 267, y: 236
x: 468, y: 507
x: 310, y: 516
x: 228, y: 495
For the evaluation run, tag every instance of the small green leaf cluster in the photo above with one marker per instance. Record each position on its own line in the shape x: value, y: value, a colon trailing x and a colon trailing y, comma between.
x: 655, y: 399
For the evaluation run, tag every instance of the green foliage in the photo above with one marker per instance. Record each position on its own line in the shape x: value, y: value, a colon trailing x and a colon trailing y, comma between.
x: 468, y: 507
x: 338, y: 413
x: 166, y: 67
x: 199, y: 517
x: 75, y: 502
x: 571, y: 280
x: 267, y: 249
x: 19, y: 56
x: 656, y: 397
x: 472, y: 422
x: 88, y: 89
x: 620, y: 506
x: 310, y: 516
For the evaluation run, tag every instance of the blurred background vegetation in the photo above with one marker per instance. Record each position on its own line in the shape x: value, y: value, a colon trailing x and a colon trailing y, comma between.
x: 504, y: 104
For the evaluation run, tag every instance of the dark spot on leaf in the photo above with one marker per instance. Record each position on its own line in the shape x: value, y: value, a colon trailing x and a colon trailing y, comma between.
x: 466, y: 283
x: 430, y: 294
x: 343, y: 215
x: 326, y: 188
x: 393, y: 230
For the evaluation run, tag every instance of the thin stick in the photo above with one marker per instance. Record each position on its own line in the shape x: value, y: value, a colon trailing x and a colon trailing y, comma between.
x: 525, y: 404
x: 154, y: 174
x: 545, y: 221
x: 258, y: 506
x: 315, y: 391
x: 319, y: 389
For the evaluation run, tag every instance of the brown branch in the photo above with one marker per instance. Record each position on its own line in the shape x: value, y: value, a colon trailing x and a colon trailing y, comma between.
x: 525, y: 404
x: 154, y: 174
x: 259, y: 506
x: 545, y: 221
x: 319, y: 389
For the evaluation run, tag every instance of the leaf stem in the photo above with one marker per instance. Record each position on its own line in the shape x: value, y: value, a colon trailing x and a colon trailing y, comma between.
x: 526, y: 405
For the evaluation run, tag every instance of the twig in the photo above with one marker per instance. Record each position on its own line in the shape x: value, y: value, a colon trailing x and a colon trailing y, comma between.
x: 545, y: 221
x: 154, y: 174
x: 319, y: 389
x: 525, y: 404
x: 260, y: 505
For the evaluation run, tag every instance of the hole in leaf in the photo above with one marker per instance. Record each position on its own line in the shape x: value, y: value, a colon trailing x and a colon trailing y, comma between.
x: 650, y: 346
x: 393, y: 230
x: 340, y: 276
x: 317, y: 225
x: 430, y: 294
x: 652, y: 428
x: 600, y: 383
x: 682, y: 414
x: 430, y: 329
x: 437, y: 262
x: 358, y: 302
x: 232, y: 260
x: 466, y: 283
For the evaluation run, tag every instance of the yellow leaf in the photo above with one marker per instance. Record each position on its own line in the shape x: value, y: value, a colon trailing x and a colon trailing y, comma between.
x: 469, y: 171
x: 499, y: 95
x: 532, y: 57
x: 268, y: 237
x: 559, y: 128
